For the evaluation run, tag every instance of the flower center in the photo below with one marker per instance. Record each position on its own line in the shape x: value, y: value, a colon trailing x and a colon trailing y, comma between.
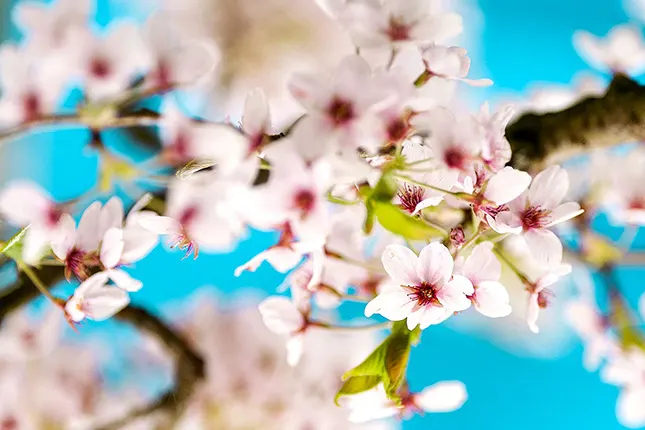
x: 535, y: 217
x: 304, y: 201
x: 179, y: 151
x: 100, y: 68
x: 398, y: 30
x: 544, y: 298
x: 31, y: 107
x: 455, y: 158
x: 341, y: 111
x: 424, y: 294
x: 637, y: 204
x: 397, y: 129
x: 75, y: 264
x: 53, y: 215
x: 9, y: 423
x: 410, y: 196
x: 162, y: 75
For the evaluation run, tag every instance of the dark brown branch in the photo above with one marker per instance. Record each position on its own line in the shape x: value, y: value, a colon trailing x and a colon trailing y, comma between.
x: 616, y: 117
x: 189, y: 366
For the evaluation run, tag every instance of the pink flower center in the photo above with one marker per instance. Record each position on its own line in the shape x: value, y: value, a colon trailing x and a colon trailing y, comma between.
x: 53, y: 215
x: 9, y: 423
x: 162, y: 76
x: 340, y: 111
x: 75, y: 264
x: 424, y: 294
x: 304, y: 201
x: 535, y: 217
x: 28, y: 338
x: 100, y: 68
x: 410, y: 196
x: 455, y: 158
x: 397, y: 129
x: 544, y: 298
x: 398, y: 30
x: 179, y: 151
x: 31, y: 107
x: 182, y: 240
x: 637, y: 204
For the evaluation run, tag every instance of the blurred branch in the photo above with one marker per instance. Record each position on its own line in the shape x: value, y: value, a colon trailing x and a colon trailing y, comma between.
x: 189, y: 366
x: 616, y: 117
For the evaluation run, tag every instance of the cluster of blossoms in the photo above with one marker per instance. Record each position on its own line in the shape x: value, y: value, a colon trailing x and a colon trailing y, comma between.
x: 383, y: 191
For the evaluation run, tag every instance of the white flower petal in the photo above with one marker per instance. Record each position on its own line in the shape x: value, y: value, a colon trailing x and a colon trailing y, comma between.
x: 280, y: 315
x: 453, y: 295
x: 564, y: 212
x: 492, y: 299
x: 112, y: 247
x: 295, y: 347
x: 482, y: 264
x: 124, y: 281
x: 64, y: 237
x: 506, y: 185
x: 256, y: 118
x: 88, y: 234
x: 400, y: 263
x: 393, y: 303
x: 629, y: 407
x: 544, y: 246
x: 549, y: 187
x: 446, y: 396
x: 435, y: 264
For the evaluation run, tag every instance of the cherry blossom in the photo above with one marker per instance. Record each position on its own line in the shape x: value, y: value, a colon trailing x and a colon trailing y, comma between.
x: 592, y: 327
x: 622, y: 50
x: 31, y: 88
x: 456, y: 143
x: 23, y: 339
x: 623, y: 197
x: 340, y: 109
x: 497, y: 150
x: 532, y: 213
x: 108, y: 64
x: 111, y: 256
x: 381, y: 23
x: 23, y: 203
x: 198, y: 214
x: 449, y: 62
x: 446, y: 396
x: 176, y: 62
x: 47, y: 27
x: 539, y: 295
x: 626, y: 370
x: 414, y: 198
x: 95, y: 300
x: 281, y: 316
x: 256, y: 119
x: 484, y: 270
x: 427, y: 292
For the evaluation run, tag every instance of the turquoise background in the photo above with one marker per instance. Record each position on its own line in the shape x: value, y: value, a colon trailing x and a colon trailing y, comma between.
x: 523, y: 43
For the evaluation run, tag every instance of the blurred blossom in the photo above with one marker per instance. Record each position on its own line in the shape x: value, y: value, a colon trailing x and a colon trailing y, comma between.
x: 621, y: 51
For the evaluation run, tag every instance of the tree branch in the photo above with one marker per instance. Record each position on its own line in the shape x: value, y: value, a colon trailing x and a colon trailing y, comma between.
x: 616, y: 117
x: 189, y: 366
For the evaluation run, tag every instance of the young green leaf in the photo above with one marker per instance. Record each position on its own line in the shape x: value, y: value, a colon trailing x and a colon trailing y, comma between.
x: 398, y: 222
x: 13, y: 247
x: 356, y: 385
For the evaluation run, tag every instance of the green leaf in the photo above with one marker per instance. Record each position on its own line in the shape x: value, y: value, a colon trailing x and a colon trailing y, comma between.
x: 387, y: 364
x: 193, y: 166
x: 368, y: 225
x: 398, y: 222
x: 356, y: 385
x: 13, y: 247
x: 385, y: 189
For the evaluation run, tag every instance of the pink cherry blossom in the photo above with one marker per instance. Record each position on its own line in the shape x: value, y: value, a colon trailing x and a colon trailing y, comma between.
x: 414, y: 198
x: 256, y: 119
x: 95, y: 300
x: 108, y: 64
x: 450, y: 62
x: 483, y: 270
x: 23, y: 203
x: 626, y: 370
x: 621, y: 51
x: 176, y: 62
x: 23, y: 339
x: 47, y: 26
x: 427, y: 292
x: 497, y: 150
x: 31, y: 87
x: 340, y: 109
x: 593, y: 328
x: 531, y: 214
x: 111, y: 257
x: 456, y: 142
x: 391, y: 22
x: 623, y: 197
x: 539, y: 295
x: 281, y: 316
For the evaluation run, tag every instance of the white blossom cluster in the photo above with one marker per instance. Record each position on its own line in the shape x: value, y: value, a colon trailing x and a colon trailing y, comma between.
x: 380, y: 149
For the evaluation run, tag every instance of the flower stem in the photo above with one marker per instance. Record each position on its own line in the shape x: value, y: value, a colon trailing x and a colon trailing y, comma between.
x: 354, y: 261
x: 37, y: 282
x: 520, y: 274
x: 335, y: 327
x: 355, y: 298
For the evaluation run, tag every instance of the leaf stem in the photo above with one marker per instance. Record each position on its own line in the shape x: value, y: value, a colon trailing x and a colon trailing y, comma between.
x: 37, y: 282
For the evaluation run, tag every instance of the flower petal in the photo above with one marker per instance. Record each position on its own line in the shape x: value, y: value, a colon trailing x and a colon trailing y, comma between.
x: 23, y: 203
x: 256, y: 119
x: 446, y: 396
x: 492, y: 299
x: 506, y: 185
x: 544, y: 246
x: 393, y: 303
x: 280, y: 315
x: 88, y: 234
x: 549, y: 187
x: 64, y: 237
x: 124, y: 281
x: 564, y: 212
x: 435, y: 264
x: 453, y: 295
x: 482, y: 264
x: 400, y: 263
x: 111, y: 247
